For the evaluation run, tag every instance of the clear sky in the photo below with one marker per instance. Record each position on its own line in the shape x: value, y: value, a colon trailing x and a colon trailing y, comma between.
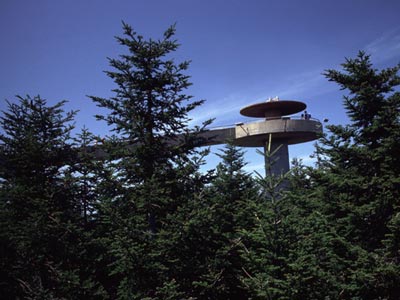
x: 242, y: 52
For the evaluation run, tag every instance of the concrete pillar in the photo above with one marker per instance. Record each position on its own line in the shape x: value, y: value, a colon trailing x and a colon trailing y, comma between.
x: 278, y: 163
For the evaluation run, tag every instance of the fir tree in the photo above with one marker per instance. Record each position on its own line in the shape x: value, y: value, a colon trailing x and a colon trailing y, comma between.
x: 89, y: 178
x: 362, y: 157
x: 358, y: 175
x: 155, y: 175
x: 39, y: 216
x: 268, y: 240
x: 294, y: 251
x: 216, y: 229
x: 322, y: 263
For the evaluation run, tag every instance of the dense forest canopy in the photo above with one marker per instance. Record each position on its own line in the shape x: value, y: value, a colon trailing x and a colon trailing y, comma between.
x: 145, y: 223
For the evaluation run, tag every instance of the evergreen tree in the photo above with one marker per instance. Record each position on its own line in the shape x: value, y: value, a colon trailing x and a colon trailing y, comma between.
x: 362, y: 157
x: 216, y: 229
x: 89, y: 177
x: 294, y: 251
x: 83, y: 172
x: 39, y: 236
x: 154, y: 173
x: 322, y: 263
x: 358, y: 174
x: 268, y: 240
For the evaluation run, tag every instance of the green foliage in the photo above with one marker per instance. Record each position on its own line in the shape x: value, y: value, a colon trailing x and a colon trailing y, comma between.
x: 363, y: 166
x: 321, y: 263
x: 358, y: 175
x: 267, y: 240
x: 132, y: 217
x: 38, y: 214
x: 155, y: 173
x: 294, y: 250
x: 220, y: 222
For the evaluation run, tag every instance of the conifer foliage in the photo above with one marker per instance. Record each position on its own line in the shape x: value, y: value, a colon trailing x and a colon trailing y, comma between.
x: 358, y: 174
x: 231, y: 198
x: 39, y: 234
x: 133, y: 217
x: 156, y: 172
x: 363, y: 156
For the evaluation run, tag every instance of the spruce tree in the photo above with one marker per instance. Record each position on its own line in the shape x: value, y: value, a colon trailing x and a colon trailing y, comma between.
x: 216, y: 229
x: 265, y: 251
x: 88, y: 177
x: 39, y: 215
x: 322, y: 263
x: 362, y: 157
x: 151, y: 155
x: 358, y: 173
x: 293, y: 251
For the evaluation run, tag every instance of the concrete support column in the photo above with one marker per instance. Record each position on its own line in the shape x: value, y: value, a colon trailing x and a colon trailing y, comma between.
x: 279, y: 162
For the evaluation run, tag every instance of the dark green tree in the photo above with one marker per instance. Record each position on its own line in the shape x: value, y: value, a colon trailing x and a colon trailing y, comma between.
x: 90, y: 179
x: 322, y: 263
x: 266, y: 249
x: 152, y: 157
x: 293, y: 251
x: 362, y: 157
x: 215, y: 230
x: 39, y: 215
x: 358, y: 172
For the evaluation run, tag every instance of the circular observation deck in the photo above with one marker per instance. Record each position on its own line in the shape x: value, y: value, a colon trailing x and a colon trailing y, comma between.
x: 282, y: 129
x: 273, y: 109
x: 286, y: 131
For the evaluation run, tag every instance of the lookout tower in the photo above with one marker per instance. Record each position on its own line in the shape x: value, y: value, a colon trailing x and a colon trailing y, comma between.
x: 283, y: 129
x: 276, y: 122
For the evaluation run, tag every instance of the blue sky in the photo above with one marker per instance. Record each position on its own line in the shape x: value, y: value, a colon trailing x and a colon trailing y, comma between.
x: 242, y: 52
